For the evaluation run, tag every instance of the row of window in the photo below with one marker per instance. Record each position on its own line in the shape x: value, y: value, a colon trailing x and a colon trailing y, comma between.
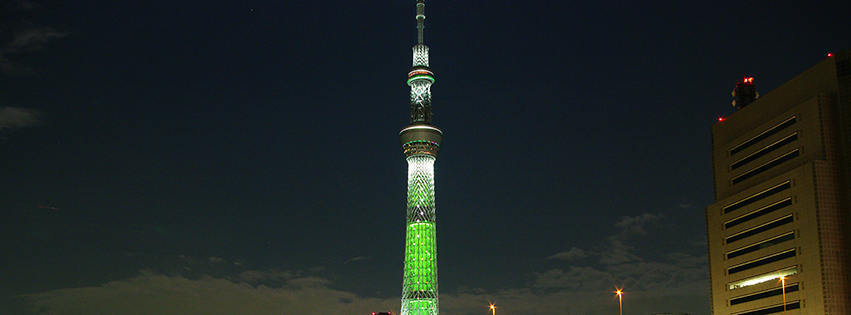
x: 774, y: 224
x: 764, y: 294
x: 764, y: 135
x: 766, y: 150
x: 774, y: 309
x: 762, y: 261
x: 769, y: 276
x: 759, y: 212
x: 759, y: 229
x: 764, y: 244
x: 758, y: 196
x: 762, y: 168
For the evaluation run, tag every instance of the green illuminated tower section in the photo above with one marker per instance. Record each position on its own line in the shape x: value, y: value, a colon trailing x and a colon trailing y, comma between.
x: 420, y: 142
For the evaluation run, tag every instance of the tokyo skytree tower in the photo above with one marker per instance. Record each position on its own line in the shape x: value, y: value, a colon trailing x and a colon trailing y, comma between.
x: 420, y: 141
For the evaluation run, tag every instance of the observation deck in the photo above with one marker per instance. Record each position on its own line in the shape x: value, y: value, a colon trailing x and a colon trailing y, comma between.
x: 420, y: 140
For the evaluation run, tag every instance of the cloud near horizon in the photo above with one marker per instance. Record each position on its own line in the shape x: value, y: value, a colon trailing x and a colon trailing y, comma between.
x: 676, y: 282
x: 150, y: 293
x: 578, y: 290
x: 572, y: 254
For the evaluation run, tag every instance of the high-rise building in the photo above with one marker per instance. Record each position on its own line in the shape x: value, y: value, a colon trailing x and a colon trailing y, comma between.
x: 420, y: 142
x: 779, y: 230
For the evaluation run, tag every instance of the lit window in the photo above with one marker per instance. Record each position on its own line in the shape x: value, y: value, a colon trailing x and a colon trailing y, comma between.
x: 763, y: 278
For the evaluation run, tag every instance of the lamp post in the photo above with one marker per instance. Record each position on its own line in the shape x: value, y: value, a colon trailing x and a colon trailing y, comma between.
x: 493, y: 309
x: 620, y: 300
x: 783, y: 287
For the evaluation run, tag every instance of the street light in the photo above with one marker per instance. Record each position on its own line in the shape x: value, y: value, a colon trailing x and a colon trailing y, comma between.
x: 783, y: 285
x: 493, y: 309
x: 620, y: 300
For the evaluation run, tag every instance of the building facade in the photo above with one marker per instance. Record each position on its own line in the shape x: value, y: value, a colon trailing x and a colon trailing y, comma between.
x: 778, y: 232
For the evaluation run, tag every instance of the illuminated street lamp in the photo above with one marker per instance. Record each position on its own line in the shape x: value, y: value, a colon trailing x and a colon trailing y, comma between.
x: 493, y: 309
x: 620, y: 300
x: 783, y: 285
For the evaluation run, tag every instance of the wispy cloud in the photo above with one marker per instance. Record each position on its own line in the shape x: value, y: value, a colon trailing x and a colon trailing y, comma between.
x: 31, y: 38
x: 24, y: 5
x: 635, y: 225
x: 150, y: 293
x: 667, y: 280
x: 657, y: 286
x: 256, y: 276
x: 20, y: 36
x: 572, y: 254
x: 355, y: 259
x: 673, y: 282
x: 17, y: 117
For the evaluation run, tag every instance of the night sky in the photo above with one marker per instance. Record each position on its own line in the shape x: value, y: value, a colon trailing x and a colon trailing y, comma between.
x: 242, y: 157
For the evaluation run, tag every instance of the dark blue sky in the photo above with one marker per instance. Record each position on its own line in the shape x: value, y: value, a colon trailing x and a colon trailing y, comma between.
x: 252, y: 148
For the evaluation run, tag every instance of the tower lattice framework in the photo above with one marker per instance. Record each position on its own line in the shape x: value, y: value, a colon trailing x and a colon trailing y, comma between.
x: 420, y: 142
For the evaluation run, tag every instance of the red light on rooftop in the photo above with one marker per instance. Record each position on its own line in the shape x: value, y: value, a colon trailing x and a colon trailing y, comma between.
x: 720, y: 118
x: 829, y: 55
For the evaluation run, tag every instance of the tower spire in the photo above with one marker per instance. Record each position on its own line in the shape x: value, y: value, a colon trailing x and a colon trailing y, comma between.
x: 420, y: 77
x: 420, y: 20
x: 420, y: 141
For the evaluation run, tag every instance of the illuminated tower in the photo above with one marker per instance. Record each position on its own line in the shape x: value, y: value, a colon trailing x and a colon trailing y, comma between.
x: 420, y: 141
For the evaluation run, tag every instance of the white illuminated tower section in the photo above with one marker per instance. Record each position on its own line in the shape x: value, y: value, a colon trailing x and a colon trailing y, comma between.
x: 420, y: 141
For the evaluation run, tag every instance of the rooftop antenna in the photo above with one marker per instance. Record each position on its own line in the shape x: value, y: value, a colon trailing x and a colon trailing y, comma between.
x: 745, y: 93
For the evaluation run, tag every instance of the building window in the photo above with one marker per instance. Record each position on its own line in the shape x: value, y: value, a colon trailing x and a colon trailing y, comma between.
x: 759, y: 229
x: 762, y: 168
x: 773, y: 309
x: 762, y: 136
x: 758, y: 196
x: 764, y: 294
x: 774, y: 275
x: 760, y: 212
x: 762, y: 261
x: 762, y: 152
x: 764, y: 244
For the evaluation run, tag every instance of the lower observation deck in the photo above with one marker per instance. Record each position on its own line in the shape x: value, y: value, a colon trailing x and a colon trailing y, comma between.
x: 420, y: 140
